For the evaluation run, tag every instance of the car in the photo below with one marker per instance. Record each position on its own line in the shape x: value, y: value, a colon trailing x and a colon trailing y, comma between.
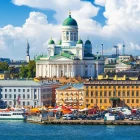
x: 130, y: 118
x: 67, y: 117
x: 82, y: 117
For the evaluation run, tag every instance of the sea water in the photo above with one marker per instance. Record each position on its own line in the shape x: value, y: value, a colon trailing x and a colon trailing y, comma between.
x: 13, y: 130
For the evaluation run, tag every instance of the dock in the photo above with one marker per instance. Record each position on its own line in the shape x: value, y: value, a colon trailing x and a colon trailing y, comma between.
x: 81, y: 122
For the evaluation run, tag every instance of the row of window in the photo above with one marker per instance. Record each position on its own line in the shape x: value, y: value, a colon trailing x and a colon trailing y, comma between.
x: 9, y: 96
x: 16, y: 90
x: 120, y: 94
x: 108, y: 101
x: 19, y: 103
x: 112, y: 86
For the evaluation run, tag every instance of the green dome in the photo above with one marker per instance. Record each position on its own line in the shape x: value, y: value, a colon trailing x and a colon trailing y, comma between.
x: 70, y: 22
x: 60, y: 42
x: 79, y: 41
x: 88, y: 42
x: 51, y: 42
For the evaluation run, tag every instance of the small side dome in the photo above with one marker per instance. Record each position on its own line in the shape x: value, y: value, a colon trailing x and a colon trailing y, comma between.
x: 79, y: 41
x: 60, y: 42
x: 51, y: 42
x: 88, y: 42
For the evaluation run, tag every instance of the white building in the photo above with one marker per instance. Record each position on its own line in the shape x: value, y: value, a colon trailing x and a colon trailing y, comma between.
x: 26, y: 93
x: 70, y: 57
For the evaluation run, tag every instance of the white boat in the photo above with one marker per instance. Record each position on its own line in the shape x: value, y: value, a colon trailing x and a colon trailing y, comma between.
x: 12, y: 115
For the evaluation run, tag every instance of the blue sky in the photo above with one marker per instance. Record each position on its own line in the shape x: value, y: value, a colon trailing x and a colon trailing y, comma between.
x: 103, y: 21
x: 16, y: 15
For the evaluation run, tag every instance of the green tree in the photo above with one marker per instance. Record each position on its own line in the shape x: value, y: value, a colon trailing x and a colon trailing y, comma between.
x: 23, y: 71
x: 4, y: 66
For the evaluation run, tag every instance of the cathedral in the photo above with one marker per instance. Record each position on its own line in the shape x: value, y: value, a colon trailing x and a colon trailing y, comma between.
x: 69, y: 57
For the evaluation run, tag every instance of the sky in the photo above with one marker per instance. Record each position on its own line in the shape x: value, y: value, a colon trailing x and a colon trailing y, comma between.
x: 108, y: 22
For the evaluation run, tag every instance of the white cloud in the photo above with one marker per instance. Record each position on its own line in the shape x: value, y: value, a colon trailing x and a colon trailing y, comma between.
x: 122, y: 23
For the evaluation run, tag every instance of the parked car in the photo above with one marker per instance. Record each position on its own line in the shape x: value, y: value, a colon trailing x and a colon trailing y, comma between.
x: 67, y: 117
x: 130, y: 118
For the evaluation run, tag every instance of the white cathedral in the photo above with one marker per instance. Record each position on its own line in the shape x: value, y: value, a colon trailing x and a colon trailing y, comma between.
x: 70, y: 57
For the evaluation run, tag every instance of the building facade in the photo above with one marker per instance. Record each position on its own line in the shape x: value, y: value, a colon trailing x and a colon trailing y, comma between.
x: 26, y: 93
x: 69, y: 57
x: 112, y: 93
x: 70, y: 95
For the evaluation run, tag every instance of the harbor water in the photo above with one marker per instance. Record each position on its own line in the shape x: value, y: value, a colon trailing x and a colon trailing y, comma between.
x: 12, y: 130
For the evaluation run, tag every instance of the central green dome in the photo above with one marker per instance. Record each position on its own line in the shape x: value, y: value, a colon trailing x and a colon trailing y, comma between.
x: 70, y: 22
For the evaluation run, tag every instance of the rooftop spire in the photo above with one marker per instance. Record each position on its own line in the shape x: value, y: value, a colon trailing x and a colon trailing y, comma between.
x: 69, y: 13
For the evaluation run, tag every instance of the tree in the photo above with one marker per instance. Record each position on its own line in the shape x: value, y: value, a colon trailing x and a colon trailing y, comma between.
x: 23, y: 71
x: 4, y: 66
x: 31, y: 69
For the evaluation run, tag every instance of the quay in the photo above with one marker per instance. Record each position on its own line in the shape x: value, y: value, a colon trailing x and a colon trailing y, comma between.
x: 81, y: 122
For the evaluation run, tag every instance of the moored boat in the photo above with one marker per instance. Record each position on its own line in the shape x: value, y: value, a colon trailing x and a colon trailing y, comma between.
x: 12, y: 115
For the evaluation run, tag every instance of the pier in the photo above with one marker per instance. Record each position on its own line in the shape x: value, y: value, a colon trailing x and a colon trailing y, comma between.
x: 38, y: 120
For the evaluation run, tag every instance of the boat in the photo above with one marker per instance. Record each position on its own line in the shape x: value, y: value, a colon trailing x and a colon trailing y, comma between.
x: 12, y: 115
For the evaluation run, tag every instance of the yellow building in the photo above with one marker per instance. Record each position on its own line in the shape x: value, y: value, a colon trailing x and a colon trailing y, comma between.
x: 112, y: 93
x: 70, y: 95
x: 4, y: 75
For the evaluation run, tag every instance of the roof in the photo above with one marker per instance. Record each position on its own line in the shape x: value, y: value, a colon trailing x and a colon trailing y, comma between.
x: 19, y: 83
x: 70, y: 22
x: 79, y: 41
x: 51, y: 42
x: 77, y: 86
x: 65, y: 54
x: 87, y: 42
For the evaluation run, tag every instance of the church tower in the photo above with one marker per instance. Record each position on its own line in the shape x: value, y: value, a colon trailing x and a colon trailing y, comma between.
x: 69, y: 31
x: 27, y: 52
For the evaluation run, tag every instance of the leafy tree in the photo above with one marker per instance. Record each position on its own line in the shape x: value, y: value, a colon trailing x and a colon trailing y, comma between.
x: 23, y: 71
x: 4, y: 66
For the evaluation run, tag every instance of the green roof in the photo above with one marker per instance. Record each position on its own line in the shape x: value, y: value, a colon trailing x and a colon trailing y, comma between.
x: 70, y: 21
x: 65, y: 54
x: 51, y: 42
x: 79, y: 41
x: 41, y: 56
x: 88, y: 42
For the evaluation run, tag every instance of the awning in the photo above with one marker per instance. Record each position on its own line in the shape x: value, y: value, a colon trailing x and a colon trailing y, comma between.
x: 114, y: 98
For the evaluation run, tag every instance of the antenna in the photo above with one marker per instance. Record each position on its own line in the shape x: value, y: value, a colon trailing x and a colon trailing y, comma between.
x: 102, y: 49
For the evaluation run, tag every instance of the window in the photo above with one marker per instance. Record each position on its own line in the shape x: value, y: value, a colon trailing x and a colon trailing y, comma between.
x: 1, y: 90
x: 132, y: 100
x: 105, y: 93
x: 28, y: 103
x: 23, y: 96
x: 28, y: 96
x: 109, y: 93
x: 119, y: 93
x: 28, y: 90
x: 96, y: 93
x: 5, y: 90
x: 23, y: 103
x: 86, y: 93
x: 128, y: 94
x: 132, y: 93
x: 137, y: 100
x: 100, y: 94
x: 137, y: 94
x: 18, y: 90
x: 87, y: 100
x: 35, y: 96
x: 14, y: 90
x: 5, y: 96
x: 34, y: 90
x: 91, y: 100
x: 104, y: 100
x: 100, y: 100
x: 10, y: 103
x: 92, y: 93
x: 91, y: 87
x: 23, y: 90
x: 10, y: 90
x: 128, y: 101
x: 86, y: 73
x: 96, y: 101
x: 10, y: 96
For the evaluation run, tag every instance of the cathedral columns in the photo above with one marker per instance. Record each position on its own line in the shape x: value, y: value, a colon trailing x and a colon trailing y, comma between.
x: 81, y: 70
x: 67, y: 70
x: 37, y: 70
x: 63, y: 70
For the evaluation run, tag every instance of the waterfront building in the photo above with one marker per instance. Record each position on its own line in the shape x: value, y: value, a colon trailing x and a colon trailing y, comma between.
x: 112, y: 93
x: 70, y: 57
x: 70, y: 95
x: 26, y: 92
x: 4, y: 75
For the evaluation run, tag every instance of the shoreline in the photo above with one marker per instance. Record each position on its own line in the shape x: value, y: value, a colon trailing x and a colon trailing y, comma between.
x: 85, y: 122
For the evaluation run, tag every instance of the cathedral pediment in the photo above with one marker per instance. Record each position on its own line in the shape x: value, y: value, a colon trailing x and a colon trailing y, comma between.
x: 59, y: 58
